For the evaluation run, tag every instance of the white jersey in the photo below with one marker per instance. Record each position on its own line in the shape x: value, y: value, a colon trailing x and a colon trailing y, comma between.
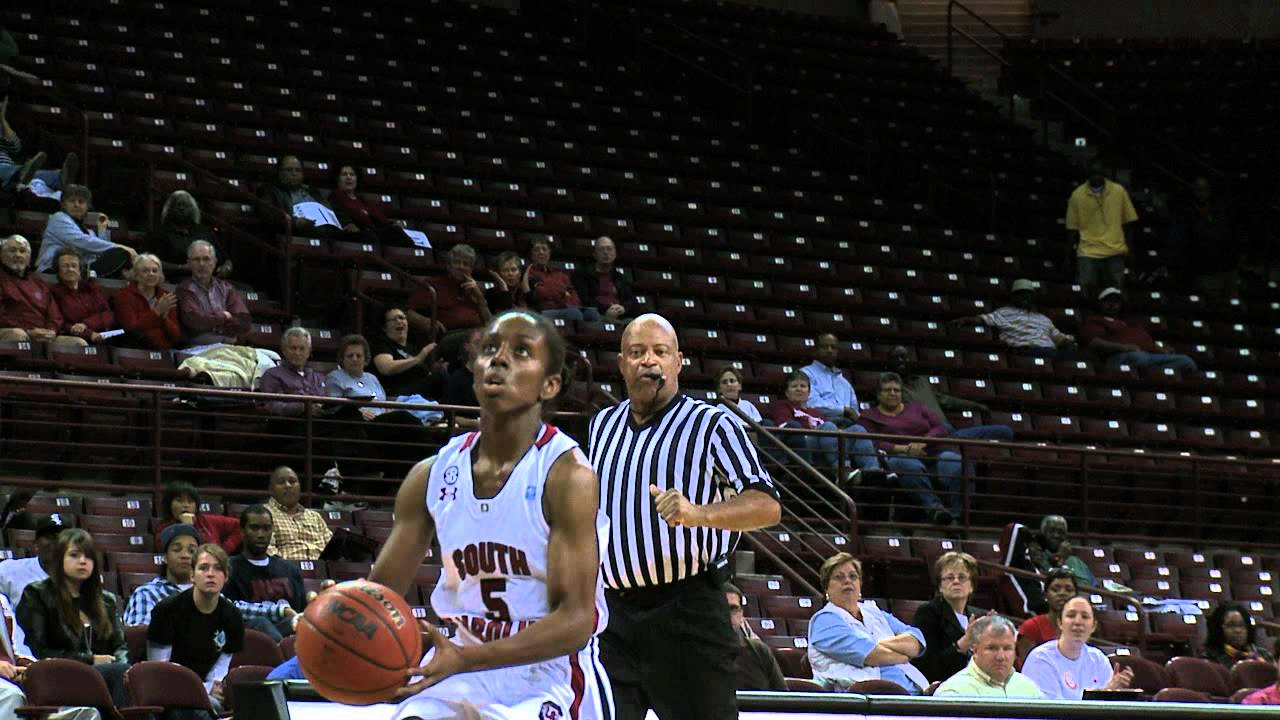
x: 494, y: 582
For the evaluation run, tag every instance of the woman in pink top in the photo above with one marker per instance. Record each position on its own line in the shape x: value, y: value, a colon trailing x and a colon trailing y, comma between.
x: 911, y: 460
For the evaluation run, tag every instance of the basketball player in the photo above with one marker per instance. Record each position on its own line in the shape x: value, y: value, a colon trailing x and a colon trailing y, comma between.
x: 515, y: 506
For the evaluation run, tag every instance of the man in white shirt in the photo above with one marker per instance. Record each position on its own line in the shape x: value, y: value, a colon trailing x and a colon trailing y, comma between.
x: 17, y: 574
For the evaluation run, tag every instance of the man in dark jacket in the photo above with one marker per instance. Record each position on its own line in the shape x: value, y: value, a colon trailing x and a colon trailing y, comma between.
x: 288, y: 191
x: 602, y: 285
x: 757, y: 668
x: 258, y: 577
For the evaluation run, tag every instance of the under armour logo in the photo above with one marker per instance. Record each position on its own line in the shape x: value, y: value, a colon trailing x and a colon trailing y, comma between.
x: 450, y: 493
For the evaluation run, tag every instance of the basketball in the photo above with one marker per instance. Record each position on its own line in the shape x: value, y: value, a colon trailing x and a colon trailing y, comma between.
x: 355, y: 642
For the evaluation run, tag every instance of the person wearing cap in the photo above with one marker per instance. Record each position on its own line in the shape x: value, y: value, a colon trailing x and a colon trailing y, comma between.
x: 17, y: 574
x: 1022, y: 327
x: 1127, y: 342
x: 180, y: 542
x: 1099, y: 217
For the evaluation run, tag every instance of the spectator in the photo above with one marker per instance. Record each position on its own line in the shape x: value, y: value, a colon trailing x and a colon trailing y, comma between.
x: 1065, y: 668
x: 511, y: 288
x: 1024, y: 329
x: 553, y: 289
x: 298, y: 533
x: 990, y: 673
x: 944, y: 619
x: 65, y: 230
x: 69, y: 615
x: 198, y: 628
x: 1269, y: 695
x: 180, y: 225
x: 11, y: 672
x: 729, y: 385
x: 851, y: 639
x: 16, y: 175
x: 792, y: 410
x: 1099, y: 215
x: 918, y: 390
x: 1204, y: 244
x: 601, y: 285
x: 28, y: 310
x: 210, y: 308
x: 1123, y: 342
x: 891, y: 416
x: 84, y: 307
x: 179, y: 543
x: 349, y: 380
x: 147, y: 312
x: 460, y: 301
x: 364, y: 213
x: 757, y: 668
x: 180, y: 504
x: 17, y: 573
x: 1059, y: 587
x: 832, y: 394
x: 403, y: 364
x: 293, y: 377
x: 257, y: 576
x: 1050, y: 549
x: 1231, y: 636
x: 291, y: 204
x: 460, y: 387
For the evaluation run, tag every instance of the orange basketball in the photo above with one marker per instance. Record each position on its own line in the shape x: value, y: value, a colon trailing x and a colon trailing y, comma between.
x: 355, y: 642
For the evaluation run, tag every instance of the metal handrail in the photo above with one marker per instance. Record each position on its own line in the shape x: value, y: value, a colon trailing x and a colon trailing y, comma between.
x: 813, y: 476
x: 1091, y: 589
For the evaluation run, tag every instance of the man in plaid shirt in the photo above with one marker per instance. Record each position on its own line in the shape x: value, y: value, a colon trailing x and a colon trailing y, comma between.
x: 180, y: 542
x: 300, y: 533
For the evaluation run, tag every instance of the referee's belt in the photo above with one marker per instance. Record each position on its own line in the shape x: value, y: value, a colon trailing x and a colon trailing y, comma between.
x: 712, y: 577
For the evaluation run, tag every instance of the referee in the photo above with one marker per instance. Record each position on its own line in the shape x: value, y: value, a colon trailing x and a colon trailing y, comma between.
x: 679, y: 480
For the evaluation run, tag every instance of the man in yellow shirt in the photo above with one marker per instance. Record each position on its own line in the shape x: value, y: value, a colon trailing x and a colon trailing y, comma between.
x: 1098, y: 217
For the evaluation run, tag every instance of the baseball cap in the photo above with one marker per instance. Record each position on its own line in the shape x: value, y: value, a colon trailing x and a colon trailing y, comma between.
x: 174, y: 531
x: 50, y: 525
x: 1024, y: 285
x: 1108, y: 293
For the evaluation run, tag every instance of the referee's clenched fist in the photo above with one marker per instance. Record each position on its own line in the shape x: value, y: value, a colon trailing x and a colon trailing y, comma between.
x: 678, y: 479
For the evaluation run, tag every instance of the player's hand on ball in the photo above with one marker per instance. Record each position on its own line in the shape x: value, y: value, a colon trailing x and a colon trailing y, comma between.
x: 675, y: 508
x: 448, y: 660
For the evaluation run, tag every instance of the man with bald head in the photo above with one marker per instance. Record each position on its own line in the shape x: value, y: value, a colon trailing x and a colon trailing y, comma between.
x: 679, y: 480
x: 28, y: 311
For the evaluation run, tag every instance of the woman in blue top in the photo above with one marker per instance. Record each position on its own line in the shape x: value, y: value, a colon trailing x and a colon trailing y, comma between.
x: 851, y: 639
x: 349, y: 380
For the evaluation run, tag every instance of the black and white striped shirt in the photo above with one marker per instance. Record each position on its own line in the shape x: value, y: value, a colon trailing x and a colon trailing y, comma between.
x: 700, y: 450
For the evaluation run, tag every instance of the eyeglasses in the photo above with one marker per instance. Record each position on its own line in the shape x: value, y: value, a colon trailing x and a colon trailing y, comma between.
x: 956, y: 578
x: 841, y: 577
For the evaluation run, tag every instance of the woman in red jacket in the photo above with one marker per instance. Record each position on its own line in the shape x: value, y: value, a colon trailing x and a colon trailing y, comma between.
x: 181, y: 504
x: 148, y: 312
x: 85, y: 311
x: 360, y: 213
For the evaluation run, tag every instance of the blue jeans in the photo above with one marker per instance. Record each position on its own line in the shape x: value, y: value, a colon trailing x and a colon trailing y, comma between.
x: 815, y: 449
x: 589, y: 314
x: 913, y: 478
x: 8, y: 171
x: 1155, y: 360
x: 983, y: 432
x: 864, y: 455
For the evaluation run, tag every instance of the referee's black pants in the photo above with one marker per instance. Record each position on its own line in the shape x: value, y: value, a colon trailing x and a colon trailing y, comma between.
x: 671, y: 648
